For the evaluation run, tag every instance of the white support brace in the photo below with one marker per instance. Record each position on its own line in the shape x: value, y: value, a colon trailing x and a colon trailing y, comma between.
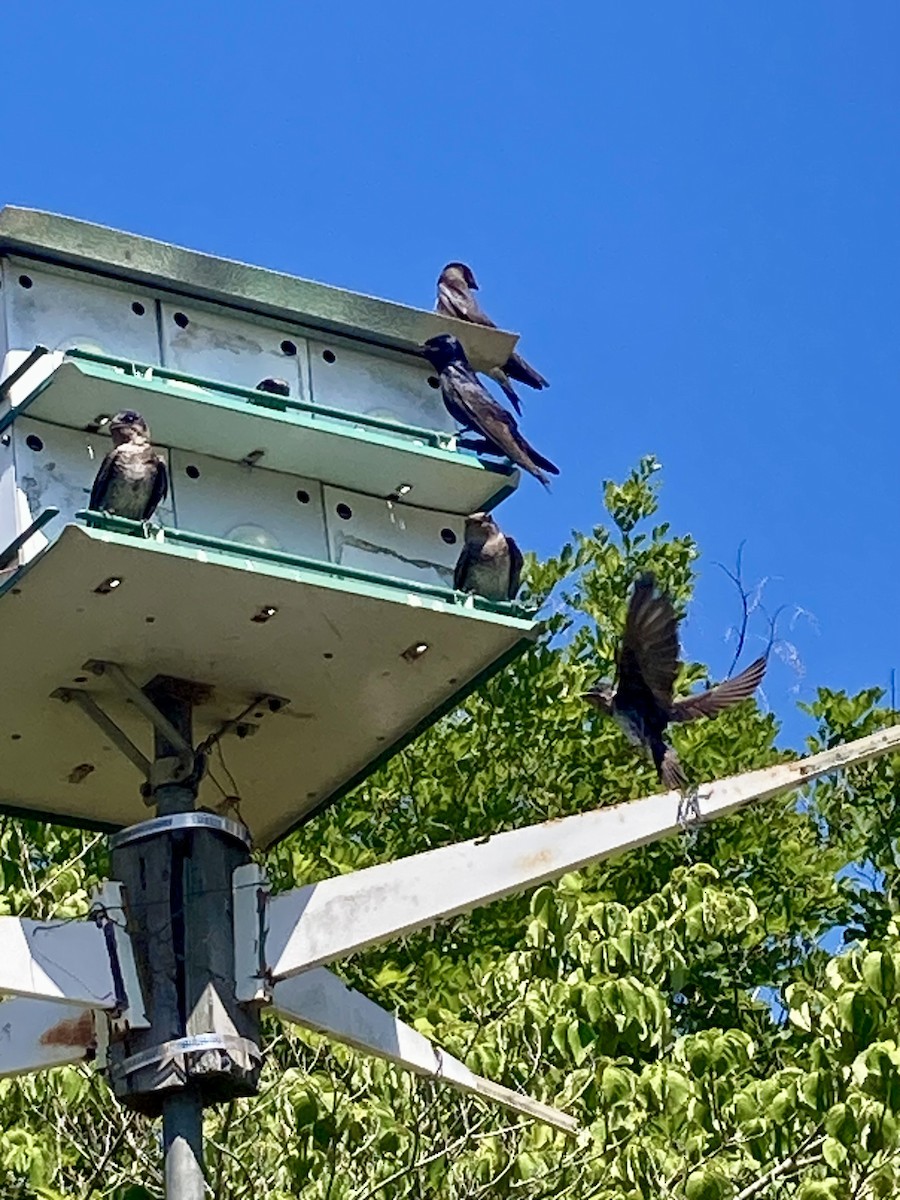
x: 66, y: 961
x: 319, y: 1000
x: 316, y: 924
x: 250, y: 888
x: 108, y: 907
x: 35, y: 1034
x: 89, y: 963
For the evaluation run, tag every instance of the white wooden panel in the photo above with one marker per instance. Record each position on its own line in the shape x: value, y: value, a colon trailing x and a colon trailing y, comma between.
x: 376, y: 385
x: 392, y: 538
x: 36, y: 1034
x: 61, y: 309
x: 232, y: 349
x: 319, y: 1000
x: 65, y: 960
x: 315, y: 924
x: 249, y: 504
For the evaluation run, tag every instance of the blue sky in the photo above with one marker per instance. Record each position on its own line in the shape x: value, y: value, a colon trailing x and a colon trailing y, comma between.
x: 690, y: 211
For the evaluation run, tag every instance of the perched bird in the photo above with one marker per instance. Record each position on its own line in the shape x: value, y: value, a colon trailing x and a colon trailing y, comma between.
x: 641, y: 701
x: 276, y: 387
x: 469, y: 403
x: 490, y: 563
x: 455, y: 286
x: 132, y: 480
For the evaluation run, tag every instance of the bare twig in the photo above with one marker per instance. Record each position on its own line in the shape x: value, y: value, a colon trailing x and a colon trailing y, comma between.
x: 444, y: 1150
x: 806, y: 1155
x: 737, y: 578
x: 223, y: 1136
x: 773, y: 622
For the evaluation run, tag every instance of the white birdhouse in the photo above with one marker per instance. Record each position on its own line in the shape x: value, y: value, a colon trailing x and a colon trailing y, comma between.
x: 306, y: 548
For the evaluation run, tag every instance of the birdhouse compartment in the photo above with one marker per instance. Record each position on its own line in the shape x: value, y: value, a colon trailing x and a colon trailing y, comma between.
x: 62, y: 309
x: 392, y: 538
x: 232, y: 348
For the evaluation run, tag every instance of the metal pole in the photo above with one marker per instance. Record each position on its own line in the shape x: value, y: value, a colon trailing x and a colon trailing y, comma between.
x: 182, y: 1112
x: 182, y: 1117
x: 174, y: 699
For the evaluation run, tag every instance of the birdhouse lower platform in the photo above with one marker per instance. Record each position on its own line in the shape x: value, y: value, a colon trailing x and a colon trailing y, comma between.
x: 353, y: 665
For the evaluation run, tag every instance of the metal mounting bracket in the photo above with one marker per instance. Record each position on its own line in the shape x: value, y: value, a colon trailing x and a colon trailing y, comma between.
x: 163, y: 771
x: 119, y: 739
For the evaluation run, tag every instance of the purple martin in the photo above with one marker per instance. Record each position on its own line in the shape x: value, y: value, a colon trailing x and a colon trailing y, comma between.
x: 132, y: 480
x: 490, y: 563
x: 641, y: 701
x: 469, y: 403
x: 276, y: 387
x: 455, y: 286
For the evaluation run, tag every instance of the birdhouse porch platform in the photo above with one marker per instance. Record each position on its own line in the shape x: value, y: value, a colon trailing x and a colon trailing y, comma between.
x: 356, y: 666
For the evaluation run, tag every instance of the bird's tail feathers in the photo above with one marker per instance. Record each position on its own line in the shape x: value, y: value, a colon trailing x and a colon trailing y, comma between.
x: 538, y: 459
x: 517, y: 368
x: 671, y: 771
x: 501, y: 378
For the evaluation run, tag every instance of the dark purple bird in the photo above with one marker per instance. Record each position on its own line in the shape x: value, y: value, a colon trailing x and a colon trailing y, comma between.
x: 641, y: 701
x: 275, y: 387
x: 132, y: 481
x: 455, y: 286
x: 472, y: 405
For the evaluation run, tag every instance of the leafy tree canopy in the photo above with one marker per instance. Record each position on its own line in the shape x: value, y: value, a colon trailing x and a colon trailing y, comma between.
x: 679, y: 1000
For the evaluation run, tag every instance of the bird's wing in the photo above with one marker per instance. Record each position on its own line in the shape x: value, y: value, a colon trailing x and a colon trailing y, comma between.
x: 466, y: 557
x: 722, y: 696
x: 451, y: 398
x: 102, y: 480
x: 160, y: 488
x: 517, y: 368
x: 459, y: 302
x: 649, y: 653
x: 515, y: 567
x: 486, y: 416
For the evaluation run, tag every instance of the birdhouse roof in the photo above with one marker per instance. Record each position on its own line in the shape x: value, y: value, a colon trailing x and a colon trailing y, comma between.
x: 66, y: 241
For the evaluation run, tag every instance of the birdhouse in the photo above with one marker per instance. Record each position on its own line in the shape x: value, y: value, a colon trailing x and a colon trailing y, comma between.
x: 300, y: 572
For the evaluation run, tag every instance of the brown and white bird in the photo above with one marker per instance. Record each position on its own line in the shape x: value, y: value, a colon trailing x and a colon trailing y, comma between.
x: 641, y: 702
x: 132, y: 480
x: 455, y: 286
x: 490, y: 563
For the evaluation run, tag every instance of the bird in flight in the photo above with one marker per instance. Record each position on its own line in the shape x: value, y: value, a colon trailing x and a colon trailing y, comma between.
x: 132, y: 480
x: 641, y: 701
x: 470, y: 403
x: 455, y: 286
x: 490, y: 563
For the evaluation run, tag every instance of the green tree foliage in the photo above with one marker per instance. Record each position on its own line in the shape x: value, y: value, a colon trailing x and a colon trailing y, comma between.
x: 678, y: 1000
